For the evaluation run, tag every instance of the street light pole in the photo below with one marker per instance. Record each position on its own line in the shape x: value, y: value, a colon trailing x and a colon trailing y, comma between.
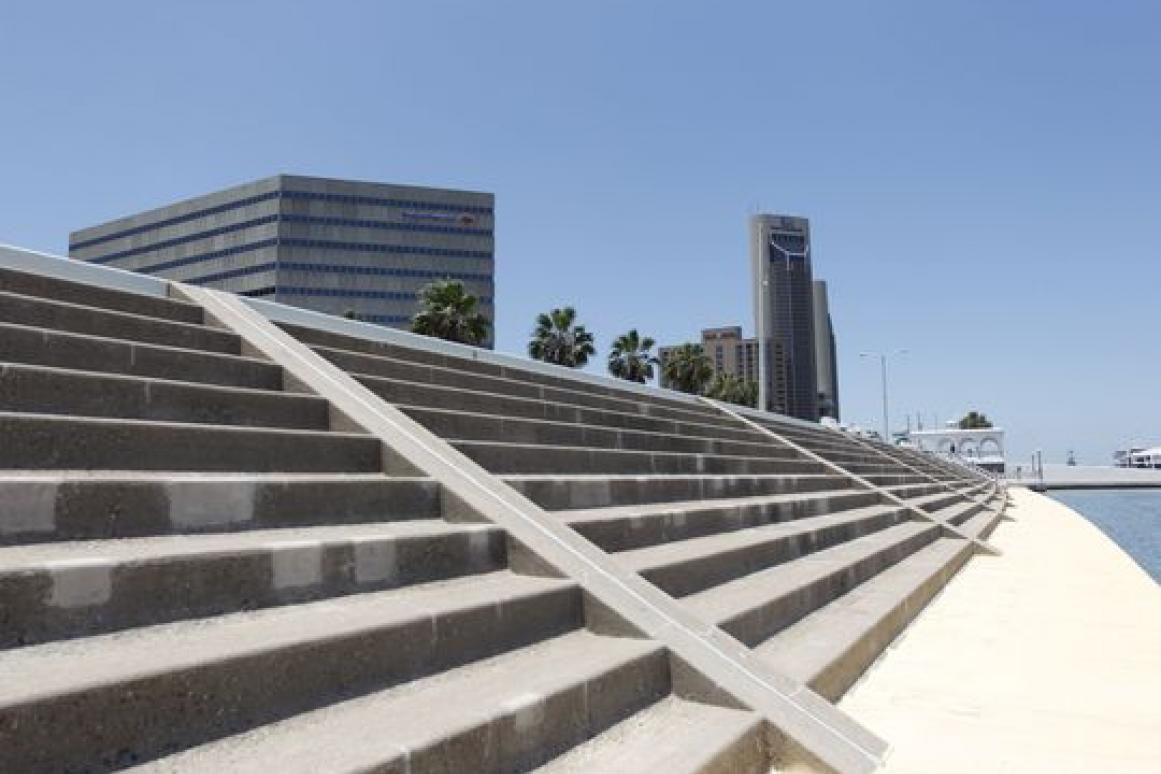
x: 883, y: 375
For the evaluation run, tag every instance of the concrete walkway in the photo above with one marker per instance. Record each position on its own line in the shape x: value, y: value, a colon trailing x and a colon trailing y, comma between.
x: 1047, y: 658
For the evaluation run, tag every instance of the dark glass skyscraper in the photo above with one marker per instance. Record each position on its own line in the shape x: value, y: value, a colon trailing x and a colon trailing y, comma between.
x: 784, y: 312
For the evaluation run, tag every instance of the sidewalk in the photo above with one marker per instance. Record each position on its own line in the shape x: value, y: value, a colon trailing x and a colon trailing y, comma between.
x: 1047, y: 658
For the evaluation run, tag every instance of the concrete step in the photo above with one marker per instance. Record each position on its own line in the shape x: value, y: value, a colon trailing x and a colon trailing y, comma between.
x: 503, y: 458
x: 515, y: 385
x: 476, y: 426
x: 40, y: 286
x: 866, y: 469
x: 55, y: 591
x: 41, y: 346
x: 82, y: 505
x: 830, y: 648
x: 46, y: 442
x: 755, y: 607
x: 911, y: 491
x: 203, y: 680
x: 686, y: 567
x: 565, y: 492
x: 983, y: 521
x: 936, y: 500
x: 413, y: 394
x: 673, y: 736
x: 93, y: 321
x: 505, y: 714
x: 837, y: 447
x: 42, y: 390
x: 895, y: 479
x: 468, y: 363
x: 621, y: 528
x: 956, y: 513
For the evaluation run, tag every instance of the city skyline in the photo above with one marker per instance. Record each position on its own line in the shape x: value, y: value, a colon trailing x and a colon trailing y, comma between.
x: 947, y: 190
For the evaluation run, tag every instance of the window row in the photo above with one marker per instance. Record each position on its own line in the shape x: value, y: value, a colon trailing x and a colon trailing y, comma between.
x: 268, y: 219
x: 391, y: 295
x: 234, y: 205
x: 259, y: 198
x: 378, y: 201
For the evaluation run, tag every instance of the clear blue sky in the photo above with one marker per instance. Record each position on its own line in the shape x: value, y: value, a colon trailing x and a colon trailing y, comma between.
x: 983, y: 177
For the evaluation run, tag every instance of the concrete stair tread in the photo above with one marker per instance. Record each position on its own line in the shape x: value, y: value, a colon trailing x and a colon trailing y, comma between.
x: 33, y: 345
x: 592, y: 414
x: 81, y: 318
x: 148, y: 345
x: 956, y: 512
x: 803, y: 650
x: 941, y: 498
x: 501, y: 445
x: 53, y: 669
x: 396, y: 725
x: 583, y: 516
x: 720, y: 603
x: 52, y: 441
x: 564, y: 491
x: 41, y: 286
x: 119, y: 475
x: 673, y: 736
x: 506, y: 385
x: 555, y: 378
x: 516, y: 477
x: 908, y: 491
x: 980, y: 521
x: 665, y: 554
x: 161, y: 548
x: 104, y: 376
x: 763, y: 448
x: 273, y: 432
x: 72, y: 392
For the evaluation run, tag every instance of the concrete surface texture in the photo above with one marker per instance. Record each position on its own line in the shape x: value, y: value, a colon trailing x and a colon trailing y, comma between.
x: 467, y: 563
x: 1047, y: 658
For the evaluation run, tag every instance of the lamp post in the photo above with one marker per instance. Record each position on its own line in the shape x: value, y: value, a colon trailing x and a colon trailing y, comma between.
x: 883, y: 368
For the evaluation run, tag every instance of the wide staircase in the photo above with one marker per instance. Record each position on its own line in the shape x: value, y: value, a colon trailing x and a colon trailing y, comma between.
x: 204, y: 567
x: 814, y: 569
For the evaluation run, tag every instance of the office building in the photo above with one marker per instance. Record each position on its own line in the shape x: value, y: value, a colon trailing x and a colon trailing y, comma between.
x: 784, y: 312
x: 726, y: 349
x: 350, y: 248
x: 825, y: 356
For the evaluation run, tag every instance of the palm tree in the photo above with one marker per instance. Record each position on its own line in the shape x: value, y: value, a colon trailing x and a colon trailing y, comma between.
x: 449, y: 312
x: 687, y: 368
x: 632, y: 357
x: 733, y: 389
x: 975, y: 420
x: 558, y: 339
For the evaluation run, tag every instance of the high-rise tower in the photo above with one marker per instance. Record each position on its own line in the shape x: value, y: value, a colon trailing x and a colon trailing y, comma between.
x: 784, y: 313
x: 825, y: 359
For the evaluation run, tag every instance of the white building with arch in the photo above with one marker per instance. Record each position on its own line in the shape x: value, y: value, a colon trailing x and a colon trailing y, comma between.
x: 983, y: 447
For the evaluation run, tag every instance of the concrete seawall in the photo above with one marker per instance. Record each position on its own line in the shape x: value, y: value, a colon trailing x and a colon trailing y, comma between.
x: 1092, y: 477
x: 1047, y: 658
